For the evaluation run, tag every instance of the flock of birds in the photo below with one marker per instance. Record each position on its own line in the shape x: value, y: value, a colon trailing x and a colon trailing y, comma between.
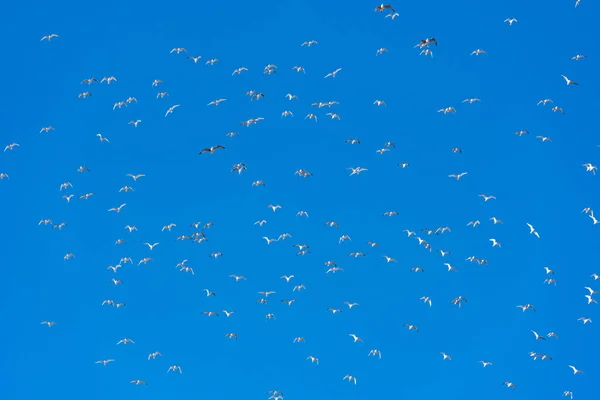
x: 200, y: 230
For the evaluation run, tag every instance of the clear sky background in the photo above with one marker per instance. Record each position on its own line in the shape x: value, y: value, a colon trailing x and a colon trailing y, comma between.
x: 541, y: 183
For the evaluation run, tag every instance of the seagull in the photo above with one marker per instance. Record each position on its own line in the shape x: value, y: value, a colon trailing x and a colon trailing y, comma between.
x: 485, y: 363
x: 49, y: 37
x: 309, y: 43
x: 135, y: 177
x: 333, y: 74
x: 458, y: 176
x: 118, y: 209
x: 575, y: 370
x: 569, y: 82
x: 486, y: 198
x: 239, y: 70
x: 216, y: 102
x: 170, y: 110
x: 478, y: 52
x: 592, y: 291
x: 426, y: 299
x: 532, y: 231
x: 380, y: 103
x: 510, y: 21
x: 446, y: 356
x: 274, y: 208
x: 584, y: 320
x: 496, y: 220
x: 212, y: 149
x: 590, y: 299
x: 314, y: 360
x: 375, y: 352
x: 357, y: 170
x: 495, y: 243
x: 270, y: 240
x: 544, y: 138
x: 350, y: 378
x: 537, y: 337
x: 382, y: 7
x: 151, y: 246
x: 103, y: 362
x: 356, y: 338
x: 548, y: 271
x: 450, y: 267
x: 102, y: 138
x: 195, y: 59
x: 175, y: 368
x: 49, y: 324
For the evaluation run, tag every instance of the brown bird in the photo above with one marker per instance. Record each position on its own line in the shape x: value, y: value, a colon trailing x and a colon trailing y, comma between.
x: 382, y: 7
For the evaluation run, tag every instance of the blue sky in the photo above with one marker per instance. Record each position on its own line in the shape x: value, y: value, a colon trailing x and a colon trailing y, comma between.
x: 540, y: 183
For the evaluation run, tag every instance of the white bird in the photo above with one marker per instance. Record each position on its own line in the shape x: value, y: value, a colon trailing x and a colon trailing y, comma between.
x: 537, y: 337
x: 458, y: 176
x: 450, y: 267
x: 478, y: 52
x: 495, y: 243
x: 333, y: 74
x: 510, y: 21
x: 151, y: 246
x: 446, y: 356
x: 575, y: 370
x: 49, y: 37
x: 314, y: 360
x: 356, y: 338
x: 485, y: 363
x: 532, y: 231
x: 569, y: 82
x: 486, y: 198
x: 103, y: 362
x: 175, y: 368
x: 269, y: 240
x: 102, y: 138
x: 592, y: 291
x: 350, y: 378
x: 170, y: 110
x: 118, y: 209
x: 357, y: 170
